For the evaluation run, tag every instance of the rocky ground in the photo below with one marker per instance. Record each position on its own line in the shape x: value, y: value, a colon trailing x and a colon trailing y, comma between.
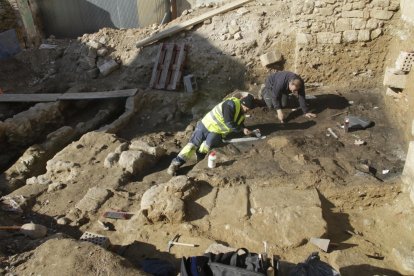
x: 65, y: 164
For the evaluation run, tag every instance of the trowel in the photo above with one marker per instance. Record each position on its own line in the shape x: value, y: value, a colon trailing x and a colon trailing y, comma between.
x: 323, y: 244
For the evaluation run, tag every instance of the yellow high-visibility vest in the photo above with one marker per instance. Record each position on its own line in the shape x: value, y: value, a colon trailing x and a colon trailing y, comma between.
x: 214, y: 120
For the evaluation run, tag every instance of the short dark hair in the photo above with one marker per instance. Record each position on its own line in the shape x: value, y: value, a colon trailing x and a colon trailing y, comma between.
x: 297, y: 82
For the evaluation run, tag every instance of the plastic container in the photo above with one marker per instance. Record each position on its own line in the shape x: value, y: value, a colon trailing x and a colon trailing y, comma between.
x: 346, y: 125
x: 212, y: 158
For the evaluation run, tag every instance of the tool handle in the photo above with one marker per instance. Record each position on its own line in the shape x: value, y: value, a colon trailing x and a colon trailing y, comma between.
x: 184, y: 244
x: 10, y: 227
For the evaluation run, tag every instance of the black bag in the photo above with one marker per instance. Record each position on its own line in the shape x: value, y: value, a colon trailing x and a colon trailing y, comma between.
x: 232, y: 263
x: 313, y: 266
x: 223, y: 264
x: 195, y: 266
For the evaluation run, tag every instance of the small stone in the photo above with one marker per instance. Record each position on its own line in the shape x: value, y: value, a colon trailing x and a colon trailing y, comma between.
x: 102, y: 52
x: 63, y: 221
x: 111, y: 160
x: 185, y: 12
x: 376, y: 33
x: 238, y: 36
x: 108, y: 67
x: 94, y: 44
x: 207, y: 21
x: 103, y: 40
x: 55, y: 187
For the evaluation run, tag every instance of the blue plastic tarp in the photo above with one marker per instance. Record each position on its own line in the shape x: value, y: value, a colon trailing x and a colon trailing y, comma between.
x: 9, y: 44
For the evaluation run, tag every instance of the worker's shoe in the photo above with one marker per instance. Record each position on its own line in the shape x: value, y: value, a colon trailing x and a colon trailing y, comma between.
x: 173, y: 168
x: 200, y: 156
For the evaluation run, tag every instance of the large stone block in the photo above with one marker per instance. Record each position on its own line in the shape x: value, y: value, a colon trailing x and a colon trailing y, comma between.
x: 303, y: 39
x: 381, y: 14
x: 342, y: 24
x: 351, y: 36
x: 393, y: 80
x: 275, y: 221
x: 329, y: 38
x: 358, y: 23
x: 372, y: 23
x: 381, y: 3
x: 93, y: 199
x: 408, y: 173
x: 135, y: 161
x: 167, y: 201
x: 326, y: 11
x: 353, y: 14
x: 364, y: 35
x: 270, y: 58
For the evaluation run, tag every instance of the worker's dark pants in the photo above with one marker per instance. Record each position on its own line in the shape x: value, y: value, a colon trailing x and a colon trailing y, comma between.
x: 200, y: 135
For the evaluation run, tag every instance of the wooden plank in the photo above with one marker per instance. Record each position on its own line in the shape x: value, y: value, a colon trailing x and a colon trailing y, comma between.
x: 154, y: 76
x: 29, y: 97
x: 165, y: 66
x: 184, y: 25
x: 66, y: 96
x: 176, y: 74
x: 99, y: 95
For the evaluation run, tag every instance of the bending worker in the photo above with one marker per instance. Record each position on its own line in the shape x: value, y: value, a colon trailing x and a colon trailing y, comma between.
x: 224, y: 118
x: 279, y: 89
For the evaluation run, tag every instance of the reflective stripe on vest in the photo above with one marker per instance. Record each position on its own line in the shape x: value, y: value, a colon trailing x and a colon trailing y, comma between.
x: 214, y: 120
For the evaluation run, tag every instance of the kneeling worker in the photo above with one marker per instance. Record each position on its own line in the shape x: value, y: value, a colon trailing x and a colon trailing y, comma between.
x: 277, y: 91
x: 223, y: 119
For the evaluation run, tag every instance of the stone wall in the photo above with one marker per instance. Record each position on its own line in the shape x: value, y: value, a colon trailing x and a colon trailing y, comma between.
x: 346, y: 33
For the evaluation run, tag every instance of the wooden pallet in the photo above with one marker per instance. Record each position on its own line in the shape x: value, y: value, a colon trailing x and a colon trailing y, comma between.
x: 168, y: 67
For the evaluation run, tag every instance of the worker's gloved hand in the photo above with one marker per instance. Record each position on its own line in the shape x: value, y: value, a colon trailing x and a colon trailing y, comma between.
x: 310, y: 115
x: 247, y: 131
x: 280, y: 115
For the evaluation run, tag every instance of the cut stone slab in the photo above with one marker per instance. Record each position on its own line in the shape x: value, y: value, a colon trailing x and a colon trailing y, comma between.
x: 250, y: 218
x: 270, y: 58
x: 393, y: 80
x: 93, y: 199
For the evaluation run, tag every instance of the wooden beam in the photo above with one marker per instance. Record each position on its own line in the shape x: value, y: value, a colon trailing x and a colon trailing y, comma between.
x: 184, y: 25
x: 66, y: 96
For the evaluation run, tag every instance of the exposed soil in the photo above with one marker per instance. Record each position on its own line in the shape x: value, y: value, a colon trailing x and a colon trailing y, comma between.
x: 297, y: 183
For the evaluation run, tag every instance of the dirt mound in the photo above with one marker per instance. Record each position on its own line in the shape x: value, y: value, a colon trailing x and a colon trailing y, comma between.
x: 71, y: 257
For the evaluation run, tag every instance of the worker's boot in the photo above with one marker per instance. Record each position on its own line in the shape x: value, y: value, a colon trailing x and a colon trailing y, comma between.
x: 174, y: 166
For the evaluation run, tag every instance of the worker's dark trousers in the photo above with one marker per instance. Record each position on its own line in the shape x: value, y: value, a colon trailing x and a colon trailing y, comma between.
x: 199, y: 135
